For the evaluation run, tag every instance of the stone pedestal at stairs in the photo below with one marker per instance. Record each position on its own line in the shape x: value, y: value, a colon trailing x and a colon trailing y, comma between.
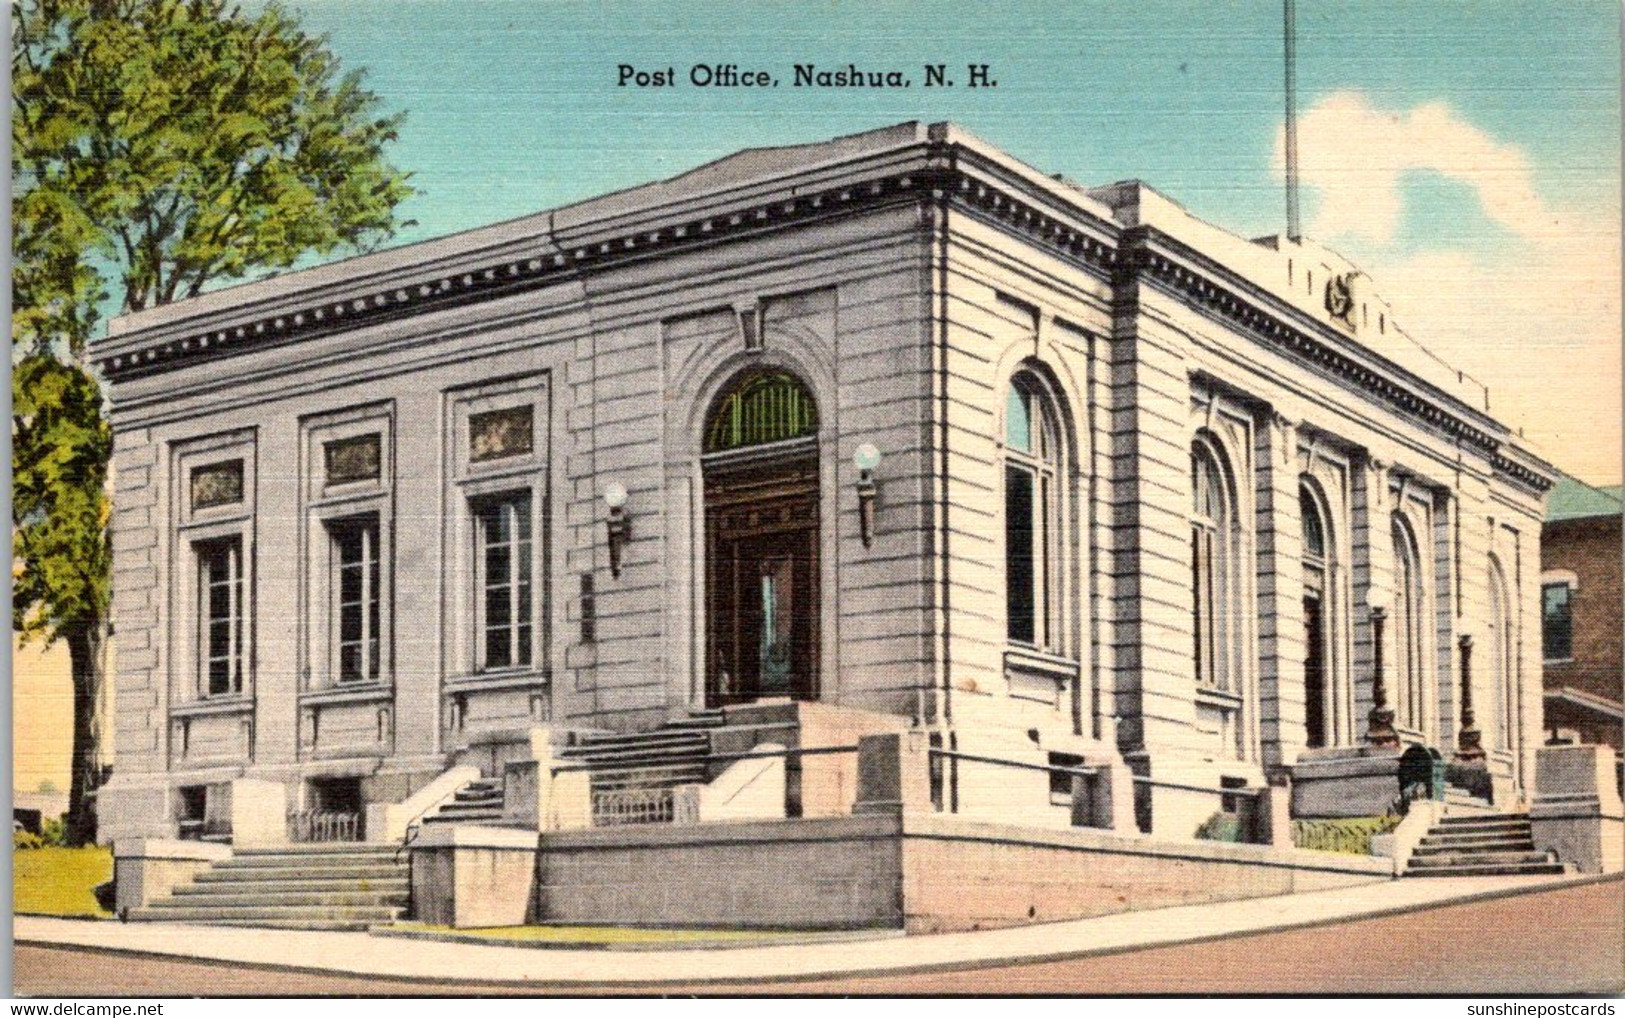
x: 1577, y: 812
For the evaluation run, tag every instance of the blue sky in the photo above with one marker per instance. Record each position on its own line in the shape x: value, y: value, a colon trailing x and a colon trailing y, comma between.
x: 512, y: 108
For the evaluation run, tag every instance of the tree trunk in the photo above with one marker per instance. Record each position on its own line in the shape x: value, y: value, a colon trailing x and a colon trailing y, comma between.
x: 88, y: 668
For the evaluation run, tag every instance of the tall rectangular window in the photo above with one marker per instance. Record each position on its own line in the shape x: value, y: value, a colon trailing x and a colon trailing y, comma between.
x: 504, y: 567
x: 220, y: 593
x: 1557, y: 622
x: 357, y: 576
x: 1018, y: 553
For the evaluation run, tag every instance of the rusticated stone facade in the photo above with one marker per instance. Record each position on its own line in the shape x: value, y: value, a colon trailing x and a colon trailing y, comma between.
x: 373, y: 514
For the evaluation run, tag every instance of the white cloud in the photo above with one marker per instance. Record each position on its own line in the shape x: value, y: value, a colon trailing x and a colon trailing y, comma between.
x: 1537, y: 321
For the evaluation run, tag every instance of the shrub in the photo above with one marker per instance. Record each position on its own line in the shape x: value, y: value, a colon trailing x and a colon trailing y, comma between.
x: 1221, y: 826
x: 53, y: 831
x: 21, y: 840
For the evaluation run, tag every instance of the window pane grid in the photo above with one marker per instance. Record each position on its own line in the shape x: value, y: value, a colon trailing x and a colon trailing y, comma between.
x: 505, y: 582
x: 359, y: 593
x: 222, y: 592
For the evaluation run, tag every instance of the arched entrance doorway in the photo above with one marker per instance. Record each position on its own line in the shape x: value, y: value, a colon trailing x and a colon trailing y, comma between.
x: 761, y: 523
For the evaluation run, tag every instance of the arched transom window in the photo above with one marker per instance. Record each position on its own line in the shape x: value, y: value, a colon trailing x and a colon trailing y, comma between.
x: 1031, y: 518
x: 769, y: 406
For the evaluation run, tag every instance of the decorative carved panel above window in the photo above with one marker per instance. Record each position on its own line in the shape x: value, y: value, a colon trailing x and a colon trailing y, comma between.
x: 497, y: 434
x: 217, y: 484
x: 352, y: 459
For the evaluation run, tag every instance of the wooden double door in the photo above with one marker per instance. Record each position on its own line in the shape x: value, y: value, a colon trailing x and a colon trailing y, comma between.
x: 762, y: 582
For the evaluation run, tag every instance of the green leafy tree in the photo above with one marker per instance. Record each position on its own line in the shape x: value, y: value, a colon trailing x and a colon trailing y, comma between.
x: 159, y: 147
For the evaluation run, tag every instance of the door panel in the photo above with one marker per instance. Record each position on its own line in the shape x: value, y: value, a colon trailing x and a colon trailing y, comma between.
x: 762, y: 576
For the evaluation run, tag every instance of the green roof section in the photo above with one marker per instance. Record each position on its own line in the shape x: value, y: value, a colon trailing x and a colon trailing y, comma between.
x: 1573, y: 499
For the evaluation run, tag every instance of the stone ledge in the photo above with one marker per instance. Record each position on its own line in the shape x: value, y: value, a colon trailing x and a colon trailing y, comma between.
x: 170, y: 848
x: 728, y: 833
x: 475, y: 836
x: 1084, y: 839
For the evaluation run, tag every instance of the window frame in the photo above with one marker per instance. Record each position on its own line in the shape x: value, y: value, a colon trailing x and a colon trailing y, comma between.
x: 520, y: 576
x: 1319, y: 581
x: 195, y: 530
x: 235, y: 618
x: 1569, y: 587
x: 370, y: 616
x: 472, y: 483
x: 1215, y: 542
x: 327, y: 508
x: 1042, y: 462
x: 1411, y: 615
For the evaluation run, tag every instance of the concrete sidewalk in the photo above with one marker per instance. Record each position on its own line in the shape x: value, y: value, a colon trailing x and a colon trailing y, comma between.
x: 433, y: 962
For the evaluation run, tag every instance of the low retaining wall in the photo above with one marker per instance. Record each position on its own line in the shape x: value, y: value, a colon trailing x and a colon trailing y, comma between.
x: 964, y: 875
x: 823, y: 873
x: 924, y: 872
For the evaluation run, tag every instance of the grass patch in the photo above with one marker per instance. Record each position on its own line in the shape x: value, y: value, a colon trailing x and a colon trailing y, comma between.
x: 602, y: 935
x: 1351, y: 836
x: 60, y: 881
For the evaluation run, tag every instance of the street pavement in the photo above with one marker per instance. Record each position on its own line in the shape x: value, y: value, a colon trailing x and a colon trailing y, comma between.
x: 402, y: 966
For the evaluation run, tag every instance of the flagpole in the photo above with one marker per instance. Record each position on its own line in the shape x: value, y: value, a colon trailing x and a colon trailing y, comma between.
x: 1294, y: 231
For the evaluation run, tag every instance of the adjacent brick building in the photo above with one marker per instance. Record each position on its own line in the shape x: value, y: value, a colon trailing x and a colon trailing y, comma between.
x: 1581, y: 598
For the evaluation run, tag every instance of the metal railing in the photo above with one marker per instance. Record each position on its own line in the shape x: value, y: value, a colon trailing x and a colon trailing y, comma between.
x: 945, y: 787
x: 320, y: 825
x: 620, y: 806
x: 1235, y: 819
x: 679, y: 803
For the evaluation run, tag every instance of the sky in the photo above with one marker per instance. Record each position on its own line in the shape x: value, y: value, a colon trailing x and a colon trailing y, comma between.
x: 1466, y: 155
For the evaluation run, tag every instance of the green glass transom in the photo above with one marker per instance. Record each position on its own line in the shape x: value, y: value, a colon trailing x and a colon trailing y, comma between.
x: 769, y: 407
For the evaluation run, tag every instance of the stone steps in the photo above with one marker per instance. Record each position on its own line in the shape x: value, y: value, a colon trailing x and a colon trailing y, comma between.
x: 354, y: 917
x: 1441, y: 846
x: 1480, y: 845
x: 329, y: 887
x: 222, y: 896
x: 1523, y: 869
x: 269, y: 874
x: 1481, y: 858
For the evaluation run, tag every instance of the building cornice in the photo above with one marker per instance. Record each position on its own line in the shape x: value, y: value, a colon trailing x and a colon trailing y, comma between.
x: 304, y: 316
x: 943, y: 169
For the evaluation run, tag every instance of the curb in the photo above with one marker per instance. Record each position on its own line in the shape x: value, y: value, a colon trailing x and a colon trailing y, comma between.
x: 988, y: 961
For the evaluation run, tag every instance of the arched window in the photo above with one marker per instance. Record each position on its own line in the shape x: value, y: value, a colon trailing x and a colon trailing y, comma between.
x: 1215, y: 569
x: 1032, y: 522
x: 1502, y: 658
x: 1409, y: 620
x: 1318, y: 623
x: 769, y: 406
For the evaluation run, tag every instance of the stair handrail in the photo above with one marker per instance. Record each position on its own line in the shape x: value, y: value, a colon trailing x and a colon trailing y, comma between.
x: 414, y: 826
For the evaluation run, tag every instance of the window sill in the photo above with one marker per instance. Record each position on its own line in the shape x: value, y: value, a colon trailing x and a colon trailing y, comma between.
x: 1223, y: 699
x: 480, y: 681
x: 1557, y: 661
x: 1033, y: 661
x: 213, y: 705
x: 357, y: 693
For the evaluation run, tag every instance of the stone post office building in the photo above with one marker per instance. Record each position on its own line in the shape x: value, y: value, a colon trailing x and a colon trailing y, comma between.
x: 892, y: 429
